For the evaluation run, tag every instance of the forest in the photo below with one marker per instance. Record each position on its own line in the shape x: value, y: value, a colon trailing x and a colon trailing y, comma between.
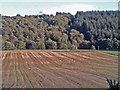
x: 84, y: 30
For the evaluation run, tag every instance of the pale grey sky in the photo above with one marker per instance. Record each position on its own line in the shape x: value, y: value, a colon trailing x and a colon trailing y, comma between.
x: 59, y: 0
x: 33, y: 7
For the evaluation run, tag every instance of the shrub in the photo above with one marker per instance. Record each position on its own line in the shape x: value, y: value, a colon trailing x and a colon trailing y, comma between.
x: 93, y: 47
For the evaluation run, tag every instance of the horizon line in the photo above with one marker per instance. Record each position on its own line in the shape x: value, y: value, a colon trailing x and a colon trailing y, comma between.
x: 59, y: 12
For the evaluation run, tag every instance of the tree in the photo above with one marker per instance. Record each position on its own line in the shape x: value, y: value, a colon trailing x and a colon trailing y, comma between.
x: 40, y: 45
x: 74, y: 42
x: 65, y: 31
x: 62, y: 45
x: 81, y: 36
x: 18, y: 15
x: 50, y: 44
x: 84, y: 45
x: 73, y: 47
x: 21, y: 45
x: 30, y: 45
x: 93, y: 47
x: 8, y: 45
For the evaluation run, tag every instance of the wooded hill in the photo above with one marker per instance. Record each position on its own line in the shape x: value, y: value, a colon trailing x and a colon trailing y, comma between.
x: 84, y: 30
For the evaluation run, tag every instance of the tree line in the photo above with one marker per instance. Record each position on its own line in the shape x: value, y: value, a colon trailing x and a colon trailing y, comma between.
x: 84, y: 30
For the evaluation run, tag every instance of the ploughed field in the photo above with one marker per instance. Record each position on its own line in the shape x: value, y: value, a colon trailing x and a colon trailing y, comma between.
x: 57, y: 69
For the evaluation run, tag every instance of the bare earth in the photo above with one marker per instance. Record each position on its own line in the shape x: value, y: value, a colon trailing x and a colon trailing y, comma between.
x: 57, y: 69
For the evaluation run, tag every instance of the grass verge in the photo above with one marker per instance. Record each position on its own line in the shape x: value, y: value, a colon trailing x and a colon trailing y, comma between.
x: 117, y: 53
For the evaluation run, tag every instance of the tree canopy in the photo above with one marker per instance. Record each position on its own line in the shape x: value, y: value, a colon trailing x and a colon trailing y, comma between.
x: 84, y: 30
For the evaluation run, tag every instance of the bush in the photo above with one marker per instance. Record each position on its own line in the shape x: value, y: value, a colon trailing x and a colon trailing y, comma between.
x: 62, y: 45
x: 73, y: 47
x: 50, y: 44
x: 93, y: 47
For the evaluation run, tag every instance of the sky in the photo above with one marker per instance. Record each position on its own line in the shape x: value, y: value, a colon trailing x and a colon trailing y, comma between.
x: 33, y: 7
x: 59, y: 0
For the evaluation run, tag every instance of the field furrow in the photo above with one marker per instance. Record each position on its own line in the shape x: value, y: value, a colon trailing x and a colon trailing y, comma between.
x: 51, y: 69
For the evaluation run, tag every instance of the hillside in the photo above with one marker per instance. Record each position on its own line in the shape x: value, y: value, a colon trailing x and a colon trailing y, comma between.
x: 85, y: 30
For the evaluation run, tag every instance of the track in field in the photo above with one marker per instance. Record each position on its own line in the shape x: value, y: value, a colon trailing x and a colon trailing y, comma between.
x: 49, y: 69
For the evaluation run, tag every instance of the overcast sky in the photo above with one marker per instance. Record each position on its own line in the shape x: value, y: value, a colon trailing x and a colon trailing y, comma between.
x: 59, y: 0
x: 33, y: 7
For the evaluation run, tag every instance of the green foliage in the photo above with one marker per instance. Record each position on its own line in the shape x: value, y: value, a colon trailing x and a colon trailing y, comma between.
x: 111, y: 52
x: 62, y: 31
x: 84, y: 45
x: 50, y: 44
x: 8, y: 45
x: 62, y: 45
x: 73, y: 47
x: 20, y: 45
x: 93, y: 47
x: 40, y: 45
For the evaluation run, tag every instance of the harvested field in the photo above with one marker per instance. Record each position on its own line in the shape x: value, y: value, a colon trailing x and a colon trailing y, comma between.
x: 57, y: 69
